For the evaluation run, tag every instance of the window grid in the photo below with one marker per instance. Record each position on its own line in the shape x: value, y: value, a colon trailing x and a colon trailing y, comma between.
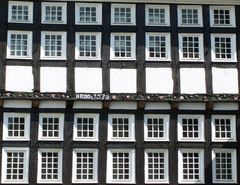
x: 191, y: 166
x: 190, y: 47
x: 155, y: 128
x: 223, y: 128
x: 122, y: 15
x: 50, y: 127
x: 157, y: 47
x: 85, y: 165
x: 221, y: 17
x: 53, y: 45
x: 122, y: 46
x: 87, y: 14
x: 120, y: 166
x: 190, y: 128
x: 85, y: 127
x: 223, y: 166
x: 189, y: 16
x: 223, y: 47
x: 156, y: 16
x: 120, y: 127
x: 53, y: 13
x: 87, y: 46
x: 20, y: 13
x: 19, y: 45
x: 156, y: 166
x: 16, y: 126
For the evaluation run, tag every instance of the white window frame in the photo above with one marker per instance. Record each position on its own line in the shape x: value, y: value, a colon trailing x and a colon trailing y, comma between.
x: 63, y: 46
x: 29, y: 44
x: 132, y: 170
x: 60, y: 161
x: 131, y: 122
x: 232, y: 16
x: 167, y: 15
x: 95, y: 165
x: 98, y: 7
x: 26, y: 116
x: 166, y: 120
x: 234, y: 165
x: 20, y: 3
x: 64, y: 12
x: 200, y: 127
x: 133, y: 13
x: 166, y: 167
x: 133, y: 46
x: 95, y: 127
x: 98, y: 45
x: 198, y: 7
x: 201, y: 166
x: 201, y: 47
x: 233, y: 128
x: 168, y: 45
x: 60, y: 116
x: 233, y: 48
x: 5, y: 150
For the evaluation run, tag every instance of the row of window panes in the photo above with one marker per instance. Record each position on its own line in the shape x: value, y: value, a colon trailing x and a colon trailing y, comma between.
x: 120, y: 127
x: 120, y: 165
x: 123, y: 46
x: 121, y: 14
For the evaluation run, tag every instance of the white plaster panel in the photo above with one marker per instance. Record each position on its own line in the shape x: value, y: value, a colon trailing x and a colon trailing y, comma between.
x: 225, y: 80
x: 17, y: 104
x: 19, y: 78
x: 157, y: 106
x: 88, y: 80
x: 159, y: 80
x: 53, y: 79
x: 123, y: 105
x: 192, y: 106
x: 87, y: 105
x: 192, y: 80
x: 52, y: 104
x: 123, y: 81
x: 225, y: 106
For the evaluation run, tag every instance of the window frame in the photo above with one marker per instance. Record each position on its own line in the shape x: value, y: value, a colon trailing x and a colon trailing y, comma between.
x: 98, y: 7
x: 95, y: 165
x: 60, y: 116
x: 60, y: 165
x: 131, y: 123
x: 233, y: 47
x: 234, y: 165
x: 29, y: 44
x: 20, y: 3
x: 27, y: 120
x: 98, y: 45
x: 54, y: 4
x: 200, y: 16
x: 233, y: 128
x: 166, y: 167
x: 133, y: 46
x: 133, y: 14
x: 232, y: 16
x: 132, y: 171
x: 168, y: 45
x: 201, y: 131
x: 201, y: 166
x: 63, y: 45
x: 166, y: 122
x: 95, y: 117
x: 5, y: 150
x: 156, y: 6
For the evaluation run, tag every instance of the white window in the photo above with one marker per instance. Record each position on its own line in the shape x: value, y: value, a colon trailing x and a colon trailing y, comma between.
x: 51, y: 126
x: 157, y: 46
x: 86, y: 127
x: 85, y: 165
x: 223, y: 47
x: 222, y: 16
x: 16, y: 126
x: 121, y: 166
x: 190, y: 127
x: 156, y: 127
x: 123, y: 14
x: 19, y: 45
x: 189, y: 15
x: 15, y: 165
x: 20, y: 12
x: 156, y: 166
x: 88, y: 46
x: 223, y: 128
x: 224, y: 166
x: 123, y: 46
x: 157, y: 15
x: 191, y: 47
x: 190, y: 166
x: 88, y: 13
x: 54, y: 13
x: 121, y: 127
x: 53, y: 45
x: 49, y: 166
